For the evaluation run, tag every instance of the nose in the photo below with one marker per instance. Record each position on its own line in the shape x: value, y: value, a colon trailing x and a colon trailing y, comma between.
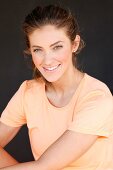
x: 47, y: 60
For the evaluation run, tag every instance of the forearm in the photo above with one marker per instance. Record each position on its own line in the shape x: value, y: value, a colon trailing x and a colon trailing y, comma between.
x: 33, y: 165
x: 54, y: 158
x: 6, y: 159
x: 68, y: 148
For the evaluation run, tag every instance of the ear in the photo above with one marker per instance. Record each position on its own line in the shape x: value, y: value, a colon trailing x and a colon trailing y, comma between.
x: 76, y: 43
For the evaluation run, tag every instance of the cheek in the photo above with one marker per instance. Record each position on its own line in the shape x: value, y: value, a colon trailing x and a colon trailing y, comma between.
x: 37, y: 60
x: 64, y: 55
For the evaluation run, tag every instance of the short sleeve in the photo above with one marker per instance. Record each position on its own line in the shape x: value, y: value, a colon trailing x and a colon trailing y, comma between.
x: 94, y: 114
x: 13, y: 114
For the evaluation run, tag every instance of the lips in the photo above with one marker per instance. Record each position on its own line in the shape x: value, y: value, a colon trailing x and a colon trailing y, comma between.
x: 51, y: 68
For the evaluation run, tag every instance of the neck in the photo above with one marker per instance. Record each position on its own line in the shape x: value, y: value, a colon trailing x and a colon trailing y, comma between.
x: 67, y: 84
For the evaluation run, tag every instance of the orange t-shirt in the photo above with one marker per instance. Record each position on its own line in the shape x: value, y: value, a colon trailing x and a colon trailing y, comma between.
x: 90, y: 111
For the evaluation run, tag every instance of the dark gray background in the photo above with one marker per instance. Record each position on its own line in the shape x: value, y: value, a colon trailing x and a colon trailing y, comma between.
x: 95, y: 18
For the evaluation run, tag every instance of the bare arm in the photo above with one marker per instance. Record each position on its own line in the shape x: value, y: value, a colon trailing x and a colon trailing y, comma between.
x: 6, y: 159
x: 69, y: 147
x: 6, y: 135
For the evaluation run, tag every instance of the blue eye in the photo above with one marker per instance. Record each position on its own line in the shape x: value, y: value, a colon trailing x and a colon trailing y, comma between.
x: 57, y: 47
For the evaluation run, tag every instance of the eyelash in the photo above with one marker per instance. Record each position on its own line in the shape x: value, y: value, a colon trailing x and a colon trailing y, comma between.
x: 36, y: 50
x: 55, y: 48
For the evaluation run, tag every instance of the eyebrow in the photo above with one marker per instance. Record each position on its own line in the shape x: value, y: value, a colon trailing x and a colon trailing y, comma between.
x: 50, y: 45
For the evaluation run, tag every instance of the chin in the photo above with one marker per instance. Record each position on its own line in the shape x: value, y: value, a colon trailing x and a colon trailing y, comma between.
x: 51, y: 79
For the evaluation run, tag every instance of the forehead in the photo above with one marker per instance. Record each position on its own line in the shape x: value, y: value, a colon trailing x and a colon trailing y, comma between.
x: 48, y: 34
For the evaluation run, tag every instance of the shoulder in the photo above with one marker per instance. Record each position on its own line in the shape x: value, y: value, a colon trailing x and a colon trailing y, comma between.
x: 92, y: 84
x: 31, y: 86
x: 93, y: 113
x: 95, y: 93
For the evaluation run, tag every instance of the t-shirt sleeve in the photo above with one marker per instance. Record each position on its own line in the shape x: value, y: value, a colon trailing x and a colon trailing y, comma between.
x: 94, y: 114
x: 13, y: 114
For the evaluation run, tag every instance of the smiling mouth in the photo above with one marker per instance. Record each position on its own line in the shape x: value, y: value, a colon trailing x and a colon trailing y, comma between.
x: 50, y: 69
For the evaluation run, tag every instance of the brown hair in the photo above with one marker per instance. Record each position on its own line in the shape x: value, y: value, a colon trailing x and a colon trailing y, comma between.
x: 53, y: 15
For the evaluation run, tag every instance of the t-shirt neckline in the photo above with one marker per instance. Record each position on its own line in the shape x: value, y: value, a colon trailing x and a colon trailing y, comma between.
x: 73, y: 98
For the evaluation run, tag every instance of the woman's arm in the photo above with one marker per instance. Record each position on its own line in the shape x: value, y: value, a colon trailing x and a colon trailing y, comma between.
x: 68, y: 148
x: 6, y: 159
x: 7, y: 133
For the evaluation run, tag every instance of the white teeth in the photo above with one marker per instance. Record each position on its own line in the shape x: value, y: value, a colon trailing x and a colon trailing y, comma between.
x: 51, y: 68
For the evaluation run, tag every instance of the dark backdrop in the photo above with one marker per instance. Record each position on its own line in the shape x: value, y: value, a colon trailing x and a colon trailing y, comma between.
x: 96, y: 22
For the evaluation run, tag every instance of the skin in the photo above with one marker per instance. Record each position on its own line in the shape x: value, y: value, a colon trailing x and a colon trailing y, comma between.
x: 6, y: 159
x: 47, y: 54
x: 5, y: 138
x: 50, y: 52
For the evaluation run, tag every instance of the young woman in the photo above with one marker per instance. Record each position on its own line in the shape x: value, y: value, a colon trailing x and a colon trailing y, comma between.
x: 69, y: 114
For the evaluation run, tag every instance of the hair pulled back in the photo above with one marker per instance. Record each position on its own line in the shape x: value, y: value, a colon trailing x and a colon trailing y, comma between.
x: 51, y: 15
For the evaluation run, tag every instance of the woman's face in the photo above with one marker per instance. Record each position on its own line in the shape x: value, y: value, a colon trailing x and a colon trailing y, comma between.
x: 51, y: 51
